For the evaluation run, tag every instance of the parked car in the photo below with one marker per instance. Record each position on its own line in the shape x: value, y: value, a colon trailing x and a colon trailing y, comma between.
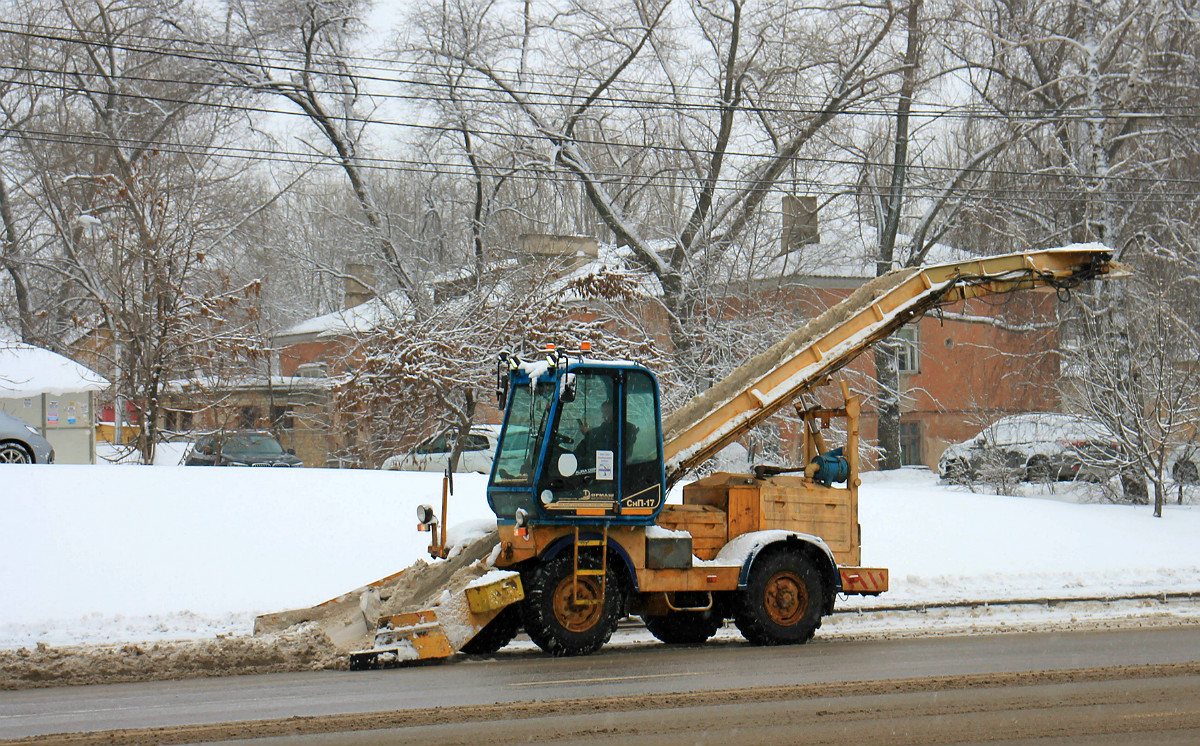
x: 1035, y: 447
x: 434, y: 453
x: 22, y: 443
x: 240, y: 448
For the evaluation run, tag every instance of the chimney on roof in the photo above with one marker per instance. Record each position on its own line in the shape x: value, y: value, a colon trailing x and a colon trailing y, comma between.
x: 358, y: 281
x: 800, y: 225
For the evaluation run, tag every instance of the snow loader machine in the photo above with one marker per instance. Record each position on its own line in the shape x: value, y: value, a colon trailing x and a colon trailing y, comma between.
x: 584, y: 464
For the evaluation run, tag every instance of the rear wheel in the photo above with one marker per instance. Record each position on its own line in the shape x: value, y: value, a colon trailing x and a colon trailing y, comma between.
x: 1039, y: 469
x: 14, y: 453
x: 563, y: 621
x: 783, y: 600
x: 498, y: 632
x: 683, y: 627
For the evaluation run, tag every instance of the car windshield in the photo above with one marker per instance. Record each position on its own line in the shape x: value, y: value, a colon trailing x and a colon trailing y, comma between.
x: 522, y: 437
x: 254, y: 445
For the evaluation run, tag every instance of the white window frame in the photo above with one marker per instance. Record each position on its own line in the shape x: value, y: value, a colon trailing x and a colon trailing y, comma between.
x: 908, y: 349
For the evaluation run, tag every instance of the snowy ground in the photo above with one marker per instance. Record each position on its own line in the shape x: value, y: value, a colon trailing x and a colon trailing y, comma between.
x: 131, y: 553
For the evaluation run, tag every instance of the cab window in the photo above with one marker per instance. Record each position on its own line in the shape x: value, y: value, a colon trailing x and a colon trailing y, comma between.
x: 642, y: 460
x: 581, y: 464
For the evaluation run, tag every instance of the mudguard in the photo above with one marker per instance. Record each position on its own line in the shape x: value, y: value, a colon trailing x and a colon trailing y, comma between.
x: 742, y: 551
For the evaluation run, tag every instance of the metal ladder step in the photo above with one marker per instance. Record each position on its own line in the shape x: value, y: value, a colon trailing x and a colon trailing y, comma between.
x: 602, y: 573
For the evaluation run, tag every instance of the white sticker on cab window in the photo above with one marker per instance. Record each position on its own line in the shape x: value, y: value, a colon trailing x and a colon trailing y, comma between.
x: 604, y: 465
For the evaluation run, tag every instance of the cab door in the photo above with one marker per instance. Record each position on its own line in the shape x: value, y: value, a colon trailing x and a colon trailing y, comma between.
x: 604, y: 458
x: 641, y: 446
x: 579, y: 474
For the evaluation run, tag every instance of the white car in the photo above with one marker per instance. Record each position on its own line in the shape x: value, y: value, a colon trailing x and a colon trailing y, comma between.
x: 434, y: 454
x: 1035, y: 447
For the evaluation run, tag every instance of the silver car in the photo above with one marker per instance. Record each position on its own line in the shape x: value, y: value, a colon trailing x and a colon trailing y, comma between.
x: 1035, y: 448
x: 434, y: 454
x: 22, y: 443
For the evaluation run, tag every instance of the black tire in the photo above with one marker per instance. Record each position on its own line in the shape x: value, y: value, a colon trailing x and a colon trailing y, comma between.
x: 1039, y: 469
x: 683, y: 627
x: 498, y: 632
x: 14, y: 453
x: 957, y: 471
x: 783, y: 600
x: 554, y: 622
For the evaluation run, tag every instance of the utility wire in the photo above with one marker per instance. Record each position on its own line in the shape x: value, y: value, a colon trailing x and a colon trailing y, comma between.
x: 428, y: 168
x: 448, y: 129
x: 554, y: 83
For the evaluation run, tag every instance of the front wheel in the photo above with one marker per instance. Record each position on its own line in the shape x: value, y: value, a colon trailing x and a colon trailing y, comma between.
x: 12, y: 453
x: 563, y: 619
x: 956, y: 471
x: 783, y: 599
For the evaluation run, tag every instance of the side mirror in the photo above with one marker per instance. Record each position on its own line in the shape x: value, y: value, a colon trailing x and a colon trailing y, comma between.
x: 502, y: 366
x: 566, y: 394
x: 291, y: 451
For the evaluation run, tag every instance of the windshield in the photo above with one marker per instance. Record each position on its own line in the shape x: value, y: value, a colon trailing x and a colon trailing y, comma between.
x: 255, y: 445
x: 522, y: 437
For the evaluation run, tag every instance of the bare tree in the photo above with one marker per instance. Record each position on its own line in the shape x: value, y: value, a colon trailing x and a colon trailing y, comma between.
x: 414, y: 377
x: 124, y: 187
x: 300, y: 50
x: 1136, y: 373
x: 718, y: 125
x: 1106, y: 79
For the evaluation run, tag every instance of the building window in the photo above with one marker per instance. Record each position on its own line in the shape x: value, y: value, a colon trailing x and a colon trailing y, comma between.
x: 282, y: 417
x: 177, y: 421
x: 248, y: 418
x: 910, y: 444
x: 908, y: 349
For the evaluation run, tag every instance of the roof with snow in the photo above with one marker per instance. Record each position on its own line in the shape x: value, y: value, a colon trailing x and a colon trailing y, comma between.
x: 845, y: 252
x: 26, y: 370
x: 282, y: 384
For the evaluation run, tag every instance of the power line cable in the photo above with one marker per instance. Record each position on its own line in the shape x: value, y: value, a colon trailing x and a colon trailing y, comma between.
x: 447, y: 129
x: 782, y: 105
x: 428, y: 168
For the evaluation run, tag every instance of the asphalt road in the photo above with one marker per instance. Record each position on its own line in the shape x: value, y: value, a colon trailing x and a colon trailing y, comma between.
x: 1141, y: 686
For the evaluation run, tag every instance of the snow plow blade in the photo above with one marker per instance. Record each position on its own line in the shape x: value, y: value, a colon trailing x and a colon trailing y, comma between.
x: 281, y: 620
x: 441, y: 631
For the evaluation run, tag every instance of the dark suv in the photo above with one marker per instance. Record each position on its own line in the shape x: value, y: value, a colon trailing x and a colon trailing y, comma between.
x: 240, y: 448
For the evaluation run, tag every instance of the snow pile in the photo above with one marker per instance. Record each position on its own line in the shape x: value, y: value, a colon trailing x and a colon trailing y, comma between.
x: 135, y: 553
x: 304, y: 649
x: 27, y: 371
x: 132, y: 554
x: 946, y: 544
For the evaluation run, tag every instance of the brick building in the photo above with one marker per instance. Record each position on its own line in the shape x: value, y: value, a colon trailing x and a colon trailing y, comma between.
x: 983, y: 359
